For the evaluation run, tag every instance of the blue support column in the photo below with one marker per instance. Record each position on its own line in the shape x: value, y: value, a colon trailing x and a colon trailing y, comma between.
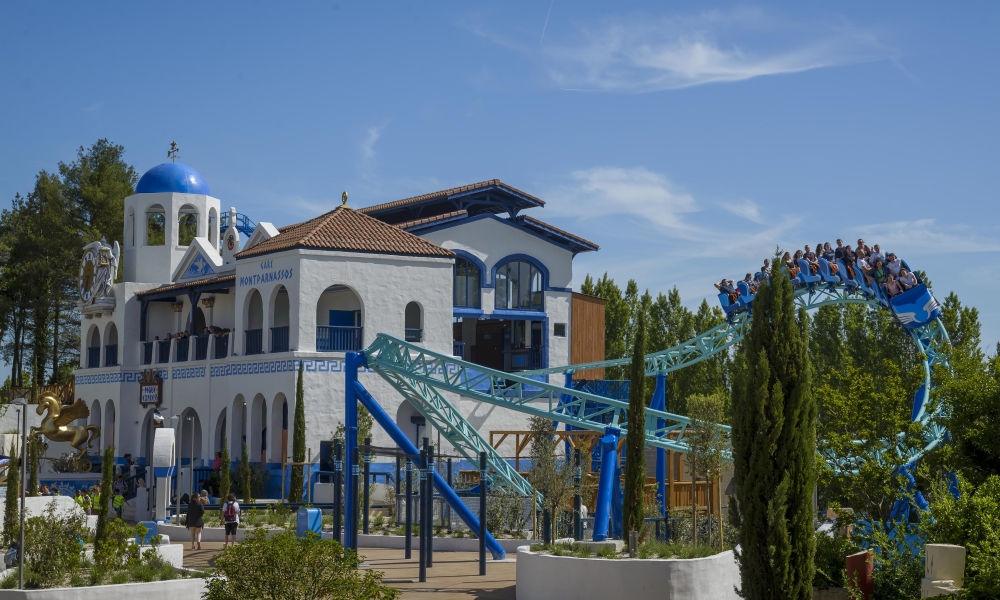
x: 565, y: 398
x: 605, y: 485
x: 659, y: 402
x: 352, y: 361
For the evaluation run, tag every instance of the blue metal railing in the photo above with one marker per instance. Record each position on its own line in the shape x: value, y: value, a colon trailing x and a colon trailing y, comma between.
x: 201, y: 347
x: 279, y: 339
x: 181, y: 353
x: 147, y: 353
x: 458, y: 349
x: 243, y: 224
x: 111, y: 355
x: 414, y: 334
x: 221, y: 346
x: 254, y: 341
x: 163, y: 351
x: 338, y: 339
x: 93, y: 357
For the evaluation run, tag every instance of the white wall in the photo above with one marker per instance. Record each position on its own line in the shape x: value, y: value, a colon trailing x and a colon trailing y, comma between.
x: 156, y: 264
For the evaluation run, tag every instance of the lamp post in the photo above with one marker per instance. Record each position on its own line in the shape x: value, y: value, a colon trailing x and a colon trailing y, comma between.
x: 22, y: 405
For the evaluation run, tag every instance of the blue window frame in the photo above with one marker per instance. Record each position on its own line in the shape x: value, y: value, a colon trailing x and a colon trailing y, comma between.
x: 519, y: 286
x: 467, y: 278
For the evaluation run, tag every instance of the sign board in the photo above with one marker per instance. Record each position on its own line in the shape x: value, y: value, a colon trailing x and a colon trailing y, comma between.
x: 150, y: 388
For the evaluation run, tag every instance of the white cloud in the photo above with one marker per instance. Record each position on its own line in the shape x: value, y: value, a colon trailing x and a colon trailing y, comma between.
x: 747, y: 209
x: 924, y: 236
x: 642, y: 53
x: 368, y: 145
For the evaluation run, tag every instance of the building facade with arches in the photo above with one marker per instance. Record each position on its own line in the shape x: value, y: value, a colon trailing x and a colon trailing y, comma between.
x: 215, y: 314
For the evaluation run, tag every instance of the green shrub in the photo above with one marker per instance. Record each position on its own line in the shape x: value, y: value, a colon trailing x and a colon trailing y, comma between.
x: 286, y: 567
x: 831, y: 552
x: 973, y: 521
x: 607, y: 552
x: 54, y: 545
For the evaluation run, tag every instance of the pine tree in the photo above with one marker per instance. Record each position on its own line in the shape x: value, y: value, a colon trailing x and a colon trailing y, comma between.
x: 11, y: 506
x: 33, y: 466
x: 635, y: 458
x: 107, y: 483
x: 298, y: 442
x: 245, y: 475
x: 774, y: 445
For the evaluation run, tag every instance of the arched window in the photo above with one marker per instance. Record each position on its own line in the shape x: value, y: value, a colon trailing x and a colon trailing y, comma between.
x: 412, y: 321
x: 156, y: 226
x: 187, y: 225
x: 518, y: 286
x: 466, y: 283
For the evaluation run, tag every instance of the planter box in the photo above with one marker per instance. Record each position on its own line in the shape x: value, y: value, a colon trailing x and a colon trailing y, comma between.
x: 176, y: 589
x: 441, y: 544
x: 710, y: 578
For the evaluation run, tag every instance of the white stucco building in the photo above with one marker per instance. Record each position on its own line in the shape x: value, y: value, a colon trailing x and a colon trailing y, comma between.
x: 459, y: 271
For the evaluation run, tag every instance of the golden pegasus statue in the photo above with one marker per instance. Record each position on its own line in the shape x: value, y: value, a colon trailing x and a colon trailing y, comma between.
x: 56, y: 427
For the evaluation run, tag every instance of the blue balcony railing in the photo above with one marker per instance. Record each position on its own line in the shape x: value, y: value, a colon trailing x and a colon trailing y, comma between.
x: 201, y: 347
x: 221, y: 346
x: 147, y: 353
x: 111, y: 355
x: 414, y: 334
x: 279, y: 339
x: 93, y: 357
x: 338, y: 339
x: 163, y: 351
x: 254, y: 342
x: 181, y: 353
x: 458, y: 349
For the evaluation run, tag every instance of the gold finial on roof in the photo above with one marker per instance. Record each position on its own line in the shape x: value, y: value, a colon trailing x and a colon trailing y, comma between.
x: 343, y: 200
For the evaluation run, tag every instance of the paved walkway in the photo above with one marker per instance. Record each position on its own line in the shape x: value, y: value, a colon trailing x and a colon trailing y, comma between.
x: 454, y: 576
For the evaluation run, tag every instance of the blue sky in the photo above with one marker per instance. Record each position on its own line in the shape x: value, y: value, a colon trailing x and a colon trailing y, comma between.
x: 688, y: 141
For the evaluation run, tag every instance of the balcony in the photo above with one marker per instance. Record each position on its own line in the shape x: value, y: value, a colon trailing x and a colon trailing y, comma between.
x: 93, y: 357
x: 182, y: 353
x: 458, y: 349
x: 338, y: 339
x: 221, y: 346
x: 111, y: 355
x: 279, y: 339
x: 147, y: 353
x: 253, y: 341
x: 201, y: 347
x: 163, y: 351
x: 414, y: 335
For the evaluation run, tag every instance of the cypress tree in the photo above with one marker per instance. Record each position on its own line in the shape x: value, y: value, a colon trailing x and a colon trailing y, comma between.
x: 774, y: 445
x: 33, y: 466
x: 11, y: 506
x: 635, y: 453
x: 225, y: 475
x: 107, y: 482
x: 298, y: 442
x: 245, y: 475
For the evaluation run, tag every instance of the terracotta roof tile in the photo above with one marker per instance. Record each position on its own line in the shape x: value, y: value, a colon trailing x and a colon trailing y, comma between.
x: 426, y: 220
x: 222, y: 279
x: 445, y: 193
x: 349, y: 230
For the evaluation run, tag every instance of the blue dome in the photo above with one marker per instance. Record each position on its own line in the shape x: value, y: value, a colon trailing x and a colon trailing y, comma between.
x: 172, y: 177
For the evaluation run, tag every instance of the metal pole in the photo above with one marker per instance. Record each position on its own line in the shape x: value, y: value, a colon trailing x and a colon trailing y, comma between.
x: 423, y: 514
x: 577, y: 499
x: 448, y: 506
x: 309, y: 479
x: 397, y: 482
x: 482, y: 513
x: 338, y: 466
x: 368, y: 462
x: 355, y: 474
x: 24, y: 464
x: 430, y: 506
x: 409, y: 509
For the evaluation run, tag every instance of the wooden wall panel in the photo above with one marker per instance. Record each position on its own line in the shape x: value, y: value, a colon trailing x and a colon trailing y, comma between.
x: 587, y: 334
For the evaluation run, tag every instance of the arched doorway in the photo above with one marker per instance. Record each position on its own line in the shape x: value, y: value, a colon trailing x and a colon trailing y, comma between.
x: 220, y: 432
x: 257, y: 447
x: 253, y: 331
x: 108, y: 433
x: 238, y: 427
x: 279, y: 429
x: 279, y: 320
x: 111, y: 345
x: 190, y: 449
x: 95, y: 419
x: 339, y: 320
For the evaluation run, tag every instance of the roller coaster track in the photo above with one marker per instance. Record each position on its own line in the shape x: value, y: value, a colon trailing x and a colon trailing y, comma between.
x: 423, y: 377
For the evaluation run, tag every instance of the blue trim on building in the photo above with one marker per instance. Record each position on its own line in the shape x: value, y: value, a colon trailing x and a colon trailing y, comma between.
x: 524, y: 257
x: 482, y: 266
x: 462, y: 311
x: 518, y: 315
x: 520, y: 227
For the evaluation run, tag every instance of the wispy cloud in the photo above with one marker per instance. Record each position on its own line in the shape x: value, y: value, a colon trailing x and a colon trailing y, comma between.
x: 546, y: 24
x: 642, y: 53
x: 925, y: 236
x: 373, y: 135
x: 748, y: 209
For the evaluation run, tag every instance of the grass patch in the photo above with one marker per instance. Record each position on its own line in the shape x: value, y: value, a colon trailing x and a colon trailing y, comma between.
x: 658, y: 549
x: 607, y: 552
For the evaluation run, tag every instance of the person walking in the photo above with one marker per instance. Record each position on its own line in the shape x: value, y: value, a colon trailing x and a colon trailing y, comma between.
x: 118, y: 503
x: 231, y: 518
x: 195, y: 520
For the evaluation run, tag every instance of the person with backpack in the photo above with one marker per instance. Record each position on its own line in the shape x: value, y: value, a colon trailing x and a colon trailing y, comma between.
x: 231, y: 518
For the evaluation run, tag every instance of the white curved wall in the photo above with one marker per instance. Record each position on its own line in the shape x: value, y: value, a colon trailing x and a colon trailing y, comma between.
x: 542, y: 577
